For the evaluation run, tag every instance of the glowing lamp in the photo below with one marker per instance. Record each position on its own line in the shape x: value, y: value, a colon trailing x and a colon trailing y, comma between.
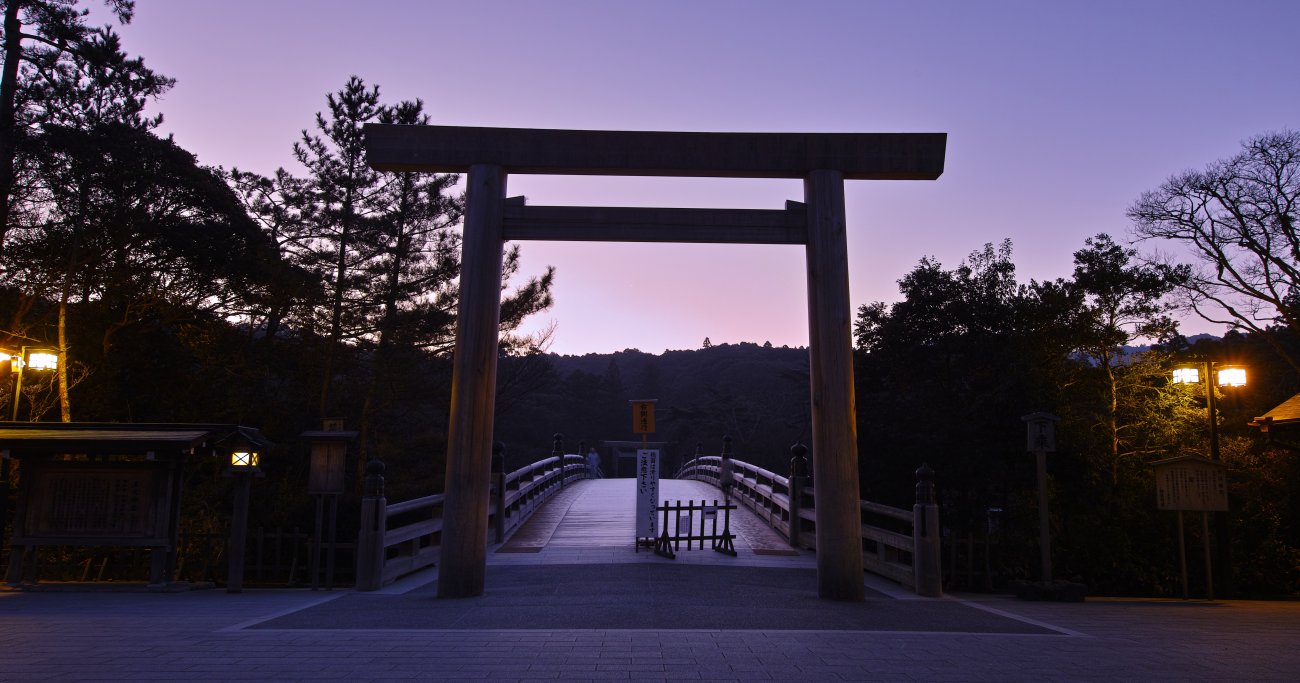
x: 244, y: 453
x: 1187, y: 375
x: 1232, y: 377
x: 42, y: 360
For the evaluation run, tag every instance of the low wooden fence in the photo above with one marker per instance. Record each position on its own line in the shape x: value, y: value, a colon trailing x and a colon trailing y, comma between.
x: 902, y: 545
x: 399, y: 538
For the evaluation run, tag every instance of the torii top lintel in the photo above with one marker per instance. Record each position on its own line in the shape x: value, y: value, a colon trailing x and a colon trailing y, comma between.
x: 858, y: 156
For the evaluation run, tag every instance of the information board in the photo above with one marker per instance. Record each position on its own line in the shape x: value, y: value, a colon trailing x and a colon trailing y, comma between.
x: 647, y: 493
x: 1192, y: 484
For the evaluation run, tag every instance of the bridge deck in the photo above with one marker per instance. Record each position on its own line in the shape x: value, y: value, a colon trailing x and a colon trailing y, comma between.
x: 593, y: 521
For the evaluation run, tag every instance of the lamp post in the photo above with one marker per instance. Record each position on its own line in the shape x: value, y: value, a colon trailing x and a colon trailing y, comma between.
x: 244, y: 465
x: 1224, y: 376
x: 30, y: 358
x: 1227, y: 376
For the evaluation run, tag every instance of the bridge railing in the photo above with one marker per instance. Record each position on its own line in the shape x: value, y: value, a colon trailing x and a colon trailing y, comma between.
x: 399, y: 538
x: 902, y: 545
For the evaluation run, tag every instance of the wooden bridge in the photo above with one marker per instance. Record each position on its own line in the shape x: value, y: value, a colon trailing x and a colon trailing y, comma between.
x: 551, y: 512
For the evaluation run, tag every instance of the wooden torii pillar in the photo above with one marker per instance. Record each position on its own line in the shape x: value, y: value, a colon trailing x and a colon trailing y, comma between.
x: 822, y: 160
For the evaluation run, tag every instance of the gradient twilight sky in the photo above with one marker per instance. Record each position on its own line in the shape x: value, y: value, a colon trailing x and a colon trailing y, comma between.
x: 1058, y: 114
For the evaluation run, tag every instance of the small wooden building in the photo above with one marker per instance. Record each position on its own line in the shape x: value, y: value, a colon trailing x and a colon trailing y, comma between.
x: 106, y: 485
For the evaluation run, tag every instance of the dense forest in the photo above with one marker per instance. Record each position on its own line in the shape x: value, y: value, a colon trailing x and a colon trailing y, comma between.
x: 177, y: 292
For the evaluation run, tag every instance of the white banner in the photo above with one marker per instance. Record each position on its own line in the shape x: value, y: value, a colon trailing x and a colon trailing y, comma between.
x: 647, y: 493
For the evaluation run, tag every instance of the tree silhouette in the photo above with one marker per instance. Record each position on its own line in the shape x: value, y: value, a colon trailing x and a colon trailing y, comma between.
x: 1238, y: 218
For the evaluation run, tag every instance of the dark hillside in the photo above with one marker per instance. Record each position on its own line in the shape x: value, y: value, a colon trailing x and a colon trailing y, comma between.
x: 756, y: 394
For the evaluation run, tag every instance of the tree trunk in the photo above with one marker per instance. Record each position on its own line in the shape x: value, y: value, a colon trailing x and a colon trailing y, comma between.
x: 1112, y: 422
x: 65, y: 403
x: 8, y: 124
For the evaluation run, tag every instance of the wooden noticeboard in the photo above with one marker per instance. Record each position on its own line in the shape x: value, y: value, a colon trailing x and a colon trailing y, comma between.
x: 1191, y: 483
x: 85, y: 503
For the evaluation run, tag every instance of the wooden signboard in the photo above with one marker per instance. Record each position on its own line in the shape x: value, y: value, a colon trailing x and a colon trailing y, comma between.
x: 643, y: 417
x: 1191, y: 483
x: 88, y: 504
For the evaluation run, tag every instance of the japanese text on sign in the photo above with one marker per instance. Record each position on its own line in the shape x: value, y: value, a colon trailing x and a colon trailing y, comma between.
x: 647, y: 492
x: 643, y: 417
x: 1194, y: 486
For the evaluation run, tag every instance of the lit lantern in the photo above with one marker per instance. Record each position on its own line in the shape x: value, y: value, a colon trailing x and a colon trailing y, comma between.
x: 243, y: 459
x: 244, y: 449
x: 1187, y: 375
x: 42, y: 360
x: 1232, y: 377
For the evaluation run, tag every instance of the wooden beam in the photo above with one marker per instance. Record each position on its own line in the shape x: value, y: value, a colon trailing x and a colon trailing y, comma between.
x: 856, y: 156
x: 473, y: 389
x: 834, y: 418
x: 625, y: 224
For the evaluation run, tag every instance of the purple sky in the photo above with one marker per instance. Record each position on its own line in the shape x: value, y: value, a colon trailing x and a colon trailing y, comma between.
x: 1058, y: 116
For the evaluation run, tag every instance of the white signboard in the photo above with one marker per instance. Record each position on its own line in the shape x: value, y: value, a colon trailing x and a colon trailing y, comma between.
x: 1191, y: 485
x: 647, y: 493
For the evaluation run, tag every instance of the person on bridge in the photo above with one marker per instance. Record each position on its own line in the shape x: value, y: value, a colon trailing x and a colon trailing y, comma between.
x: 593, y: 464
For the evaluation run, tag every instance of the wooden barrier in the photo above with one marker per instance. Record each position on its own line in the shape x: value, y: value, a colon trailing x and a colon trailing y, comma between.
x: 898, y: 544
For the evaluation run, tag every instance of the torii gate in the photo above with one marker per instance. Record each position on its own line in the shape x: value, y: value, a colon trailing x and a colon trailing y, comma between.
x: 823, y: 160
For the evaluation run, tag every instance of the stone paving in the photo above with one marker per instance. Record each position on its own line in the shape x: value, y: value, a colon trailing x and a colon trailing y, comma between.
x: 704, y: 616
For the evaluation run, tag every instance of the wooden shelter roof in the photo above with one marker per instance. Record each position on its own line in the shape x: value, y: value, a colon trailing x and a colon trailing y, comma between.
x: 26, y: 438
x: 1288, y: 412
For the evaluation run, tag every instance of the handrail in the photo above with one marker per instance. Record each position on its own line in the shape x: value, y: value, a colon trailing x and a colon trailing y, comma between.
x: 386, y: 552
x: 910, y: 557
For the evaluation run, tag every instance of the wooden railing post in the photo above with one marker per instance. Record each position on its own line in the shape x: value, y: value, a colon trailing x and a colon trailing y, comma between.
x: 557, y: 450
x: 926, y: 536
x: 499, y: 481
x: 798, y: 477
x: 374, y: 522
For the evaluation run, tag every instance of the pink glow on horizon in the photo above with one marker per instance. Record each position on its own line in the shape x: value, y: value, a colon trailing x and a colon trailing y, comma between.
x: 1059, y: 116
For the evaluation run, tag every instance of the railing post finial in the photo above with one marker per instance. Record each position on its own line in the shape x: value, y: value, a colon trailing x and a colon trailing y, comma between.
x: 726, y: 446
x: 374, y: 486
x: 498, y: 457
x: 798, y: 460
x: 557, y: 451
x: 924, y: 485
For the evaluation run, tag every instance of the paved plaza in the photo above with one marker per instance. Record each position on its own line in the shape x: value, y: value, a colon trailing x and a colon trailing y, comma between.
x: 559, y: 608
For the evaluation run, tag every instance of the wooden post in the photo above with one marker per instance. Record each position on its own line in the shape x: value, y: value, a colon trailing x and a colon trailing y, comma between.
x: 499, y: 483
x: 834, y: 420
x: 473, y: 388
x: 1044, y: 524
x: 1182, y: 553
x: 557, y: 451
x: 927, y: 548
x: 238, y: 533
x: 1205, y: 541
x: 317, y: 542
x: 374, y: 524
x: 798, y: 476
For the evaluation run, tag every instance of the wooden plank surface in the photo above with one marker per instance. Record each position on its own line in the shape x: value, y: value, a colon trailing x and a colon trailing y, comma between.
x: 599, y: 513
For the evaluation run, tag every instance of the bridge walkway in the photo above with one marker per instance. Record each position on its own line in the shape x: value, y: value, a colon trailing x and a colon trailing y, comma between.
x: 593, y: 522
